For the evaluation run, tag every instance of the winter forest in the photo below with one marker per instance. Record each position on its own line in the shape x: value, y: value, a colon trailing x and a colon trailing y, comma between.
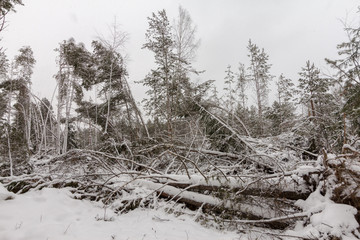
x: 262, y: 157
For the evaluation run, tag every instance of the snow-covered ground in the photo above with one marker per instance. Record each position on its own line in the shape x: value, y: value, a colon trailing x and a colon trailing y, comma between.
x: 327, y: 219
x: 52, y: 214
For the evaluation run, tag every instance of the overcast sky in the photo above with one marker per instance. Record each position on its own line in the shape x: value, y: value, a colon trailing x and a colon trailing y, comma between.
x: 290, y: 31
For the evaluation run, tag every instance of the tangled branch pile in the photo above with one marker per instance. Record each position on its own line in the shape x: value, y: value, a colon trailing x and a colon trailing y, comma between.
x: 263, y: 189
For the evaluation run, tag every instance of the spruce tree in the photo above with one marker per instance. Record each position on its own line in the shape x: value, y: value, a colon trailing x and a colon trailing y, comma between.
x: 259, y: 74
x: 282, y: 112
x: 313, y: 89
x: 323, y: 118
x: 241, y: 85
x: 229, y: 89
x: 348, y: 76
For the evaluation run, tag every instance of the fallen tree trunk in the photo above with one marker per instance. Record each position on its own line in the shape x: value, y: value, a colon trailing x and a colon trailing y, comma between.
x: 274, y: 193
x: 211, y: 205
x: 293, y: 185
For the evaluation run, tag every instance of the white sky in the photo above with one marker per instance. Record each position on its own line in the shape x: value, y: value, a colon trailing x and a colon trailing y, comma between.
x: 290, y: 31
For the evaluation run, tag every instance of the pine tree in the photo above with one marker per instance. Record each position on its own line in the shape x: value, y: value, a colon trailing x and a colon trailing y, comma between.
x: 103, y: 69
x: 5, y: 7
x: 69, y: 88
x: 111, y: 76
x: 24, y: 63
x: 16, y: 88
x: 111, y: 48
x: 5, y: 106
x: 160, y: 80
x: 8, y: 5
x: 4, y: 65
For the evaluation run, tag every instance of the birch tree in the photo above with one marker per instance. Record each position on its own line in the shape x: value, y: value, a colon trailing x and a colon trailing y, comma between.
x: 117, y: 73
x: 113, y: 44
x: 185, y: 46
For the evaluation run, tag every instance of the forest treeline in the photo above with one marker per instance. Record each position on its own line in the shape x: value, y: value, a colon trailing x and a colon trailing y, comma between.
x: 179, y: 111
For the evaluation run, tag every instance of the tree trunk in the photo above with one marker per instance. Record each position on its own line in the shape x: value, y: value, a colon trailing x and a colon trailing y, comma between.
x: 109, y: 93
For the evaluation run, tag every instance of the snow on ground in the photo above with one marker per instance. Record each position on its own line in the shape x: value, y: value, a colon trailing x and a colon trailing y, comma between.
x: 5, y: 194
x: 52, y: 214
x: 328, y: 219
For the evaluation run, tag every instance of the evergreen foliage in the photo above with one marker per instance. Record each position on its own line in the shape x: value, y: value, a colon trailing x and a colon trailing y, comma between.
x: 282, y: 112
x: 229, y: 89
x: 8, y: 5
x: 161, y: 80
x: 323, y: 111
x: 241, y: 85
x: 348, y: 75
x: 259, y: 75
